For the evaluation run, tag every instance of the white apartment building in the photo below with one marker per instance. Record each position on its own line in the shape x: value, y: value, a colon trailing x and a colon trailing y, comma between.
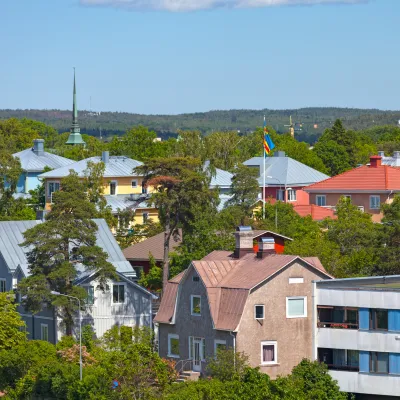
x: 356, y: 332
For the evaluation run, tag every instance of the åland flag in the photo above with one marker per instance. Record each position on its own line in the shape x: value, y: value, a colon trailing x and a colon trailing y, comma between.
x: 268, y: 143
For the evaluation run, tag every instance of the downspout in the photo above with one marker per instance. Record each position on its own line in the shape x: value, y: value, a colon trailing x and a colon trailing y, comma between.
x: 234, y: 349
x: 313, y: 321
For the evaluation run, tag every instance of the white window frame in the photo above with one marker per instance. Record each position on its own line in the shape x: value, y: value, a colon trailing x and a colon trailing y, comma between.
x: 255, y: 314
x: 112, y: 292
x: 50, y: 194
x: 116, y: 187
x: 191, y: 305
x: 296, y: 280
x: 269, y: 343
x: 134, y: 184
x: 3, y: 285
x: 172, y: 336
x: 370, y: 202
x: 289, y: 197
x: 296, y: 298
x: 318, y: 197
x: 216, y: 343
x: 47, y: 332
x: 280, y: 195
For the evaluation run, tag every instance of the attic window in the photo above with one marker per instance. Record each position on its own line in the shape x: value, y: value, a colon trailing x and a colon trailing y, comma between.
x: 196, y: 279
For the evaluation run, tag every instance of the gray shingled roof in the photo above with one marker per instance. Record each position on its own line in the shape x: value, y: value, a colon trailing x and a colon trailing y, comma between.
x: 287, y: 170
x: 11, y: 236
x: 117, y: 166
x: 32, y: 162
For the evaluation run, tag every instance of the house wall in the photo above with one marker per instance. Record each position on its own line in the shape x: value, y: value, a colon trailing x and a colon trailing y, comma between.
x: 302, y: 198
x: 32, y: 181
x: 188, y: 325
x: 293, y: 335
x: 358, y: 199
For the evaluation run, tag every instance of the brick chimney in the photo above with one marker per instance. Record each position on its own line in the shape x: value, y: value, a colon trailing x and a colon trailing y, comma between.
x: 375, y: 161
x: 244, y: 241
x: 266, y: 247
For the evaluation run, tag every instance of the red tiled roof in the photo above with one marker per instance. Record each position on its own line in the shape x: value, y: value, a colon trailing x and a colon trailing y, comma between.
x: 382, y: 177
x: 317, y: 213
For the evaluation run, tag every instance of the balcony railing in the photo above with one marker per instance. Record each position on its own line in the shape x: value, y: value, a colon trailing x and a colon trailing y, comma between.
x: 334, y: 367
x: 338, y: 325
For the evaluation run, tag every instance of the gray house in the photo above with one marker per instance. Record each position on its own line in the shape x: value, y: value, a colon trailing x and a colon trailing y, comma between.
x: 122, y: 303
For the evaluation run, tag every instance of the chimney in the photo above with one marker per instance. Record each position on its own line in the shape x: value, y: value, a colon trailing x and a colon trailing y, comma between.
x: 396, y: 154
x: 279, y: 154
x: 266, y: 246
x: 381, y: 153
x: 38, y: 147
x: 105, y: 157
x: 244, y: 241
x: 375, y: 161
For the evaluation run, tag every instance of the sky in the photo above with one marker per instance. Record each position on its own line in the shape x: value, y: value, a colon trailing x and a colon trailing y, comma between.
x: 181, y: 56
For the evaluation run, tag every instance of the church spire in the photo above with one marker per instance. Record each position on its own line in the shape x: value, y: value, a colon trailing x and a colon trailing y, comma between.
x: 75, y: 135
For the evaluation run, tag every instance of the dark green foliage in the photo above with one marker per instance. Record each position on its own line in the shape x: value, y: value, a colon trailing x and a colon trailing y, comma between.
x: 228, y: 365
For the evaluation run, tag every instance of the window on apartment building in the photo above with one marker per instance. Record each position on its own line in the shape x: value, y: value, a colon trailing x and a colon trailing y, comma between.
x: 291, y: 193
x: 296, y: 307
x: 374, y: 202
x: 89, y: 295
x: 145, y: 217
x: 51, y: 188
x: 259, y: 311
x: 337, y: 317
x: 219, y: 345
x: 195, y: 305
x: 379, y: 362
x: 280, y: 195
x: 2, y: 285
x: 339, y: 359
x: 118, y: 293
x: 113, y: 188
x: 378, y: 319
x: 269, y: 353
x: 134, y: 184
x: 321, y: 200
x: 44, y: 332
x: 173, y: 345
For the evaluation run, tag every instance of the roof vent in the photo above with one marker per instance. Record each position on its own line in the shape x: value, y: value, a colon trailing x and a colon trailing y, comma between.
x: 266, y: 246
x: 279, y: 154
x: 105, y: 157
x: 244, y: 241
x: 243, y: 228
x: 38, y: 147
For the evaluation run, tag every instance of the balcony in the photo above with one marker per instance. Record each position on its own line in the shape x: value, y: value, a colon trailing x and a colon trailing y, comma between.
x: 337, y: 325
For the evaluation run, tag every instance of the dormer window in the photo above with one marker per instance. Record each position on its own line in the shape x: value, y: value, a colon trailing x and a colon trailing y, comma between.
x: 196, y: 278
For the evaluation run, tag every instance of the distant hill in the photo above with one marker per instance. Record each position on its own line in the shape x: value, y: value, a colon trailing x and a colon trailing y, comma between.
x: 309, y: 122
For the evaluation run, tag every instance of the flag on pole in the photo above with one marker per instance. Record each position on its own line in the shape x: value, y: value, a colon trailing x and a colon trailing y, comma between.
x: 268, y: 143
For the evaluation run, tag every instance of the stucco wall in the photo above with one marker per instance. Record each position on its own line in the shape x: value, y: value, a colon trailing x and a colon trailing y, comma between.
x: 302, y: 198
x: 188, y: 325
x: 293, y: 335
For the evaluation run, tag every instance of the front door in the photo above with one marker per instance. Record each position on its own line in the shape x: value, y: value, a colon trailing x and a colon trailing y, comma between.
x: 197, y: 353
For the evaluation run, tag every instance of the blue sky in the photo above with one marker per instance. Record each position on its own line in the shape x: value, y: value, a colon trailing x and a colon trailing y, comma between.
x: 175, y: 56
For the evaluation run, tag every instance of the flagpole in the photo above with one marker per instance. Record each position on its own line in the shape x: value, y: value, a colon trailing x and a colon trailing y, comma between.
x: 263, y: 195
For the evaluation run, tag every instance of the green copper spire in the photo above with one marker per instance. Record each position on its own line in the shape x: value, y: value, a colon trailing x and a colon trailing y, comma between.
x: 75, y: 135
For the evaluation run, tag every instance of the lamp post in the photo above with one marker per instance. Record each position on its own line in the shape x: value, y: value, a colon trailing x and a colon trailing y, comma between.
x: 276, y: 207
x: 80, y: 327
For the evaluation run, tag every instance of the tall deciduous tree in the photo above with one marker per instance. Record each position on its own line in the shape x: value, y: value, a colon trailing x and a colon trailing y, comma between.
x: 66, y: 240
x: 179, y: 182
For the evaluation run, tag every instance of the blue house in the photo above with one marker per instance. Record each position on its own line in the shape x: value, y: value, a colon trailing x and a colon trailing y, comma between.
x: 33, y: 161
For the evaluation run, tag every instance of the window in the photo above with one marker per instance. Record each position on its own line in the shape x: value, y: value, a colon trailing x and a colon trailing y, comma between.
x: 374, y: 202
x: 145, y: 217
x: 378, y: 319
x: 296, y: 307
x: 118, y: 293
x: 291, y: 195
x: 347, y: 196
x: 379, y: 362
x: 339, y: 359
x: 321, y: 200
x: 269, y: 353
x: 195, y: 279
x: 52, y: 187
x: 138, y: 271
x: 144, y: 189
x: 113, y: 188
x: 2, y: 285
x: 219, y: 345
x: 296, y: 280
x: 134, y: 184
x: 195, y: 305
x: 280, y: 195
x: 173, y: 345
x: 44, y: 332
x: 337, y: 317
x: 90, y: 295
x: 259, y: 311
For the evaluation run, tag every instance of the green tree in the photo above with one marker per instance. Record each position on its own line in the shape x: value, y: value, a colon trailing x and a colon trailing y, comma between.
x: 153, y: 279
x: 190, y: 144
x: 334, y: 156
x: 66, y: 237
x: 228, y: 365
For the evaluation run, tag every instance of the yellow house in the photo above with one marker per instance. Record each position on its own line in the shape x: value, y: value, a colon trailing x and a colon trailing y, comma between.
x: 122, y: 188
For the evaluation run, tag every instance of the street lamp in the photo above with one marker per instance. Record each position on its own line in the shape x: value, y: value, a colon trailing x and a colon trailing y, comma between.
x: 276, y: 207
x: 80, y: 327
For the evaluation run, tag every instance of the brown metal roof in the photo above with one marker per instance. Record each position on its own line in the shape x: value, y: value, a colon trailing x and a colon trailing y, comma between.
x: 153, y: 245
x: 167, y: 306
x: 231, y: 305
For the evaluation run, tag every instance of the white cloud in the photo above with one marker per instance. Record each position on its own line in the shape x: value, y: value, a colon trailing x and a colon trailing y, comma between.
x: 194, y: 5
